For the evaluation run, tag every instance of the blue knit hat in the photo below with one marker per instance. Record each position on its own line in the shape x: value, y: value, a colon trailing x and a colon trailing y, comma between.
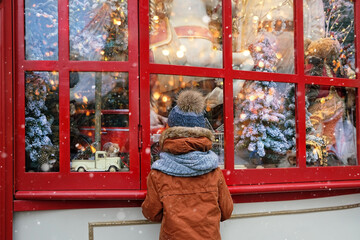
x: 189, y: 111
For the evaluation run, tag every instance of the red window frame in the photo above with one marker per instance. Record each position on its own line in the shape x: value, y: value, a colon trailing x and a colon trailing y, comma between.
x: 263, y: 179
x: 65, y: 179
x: 40, y: 185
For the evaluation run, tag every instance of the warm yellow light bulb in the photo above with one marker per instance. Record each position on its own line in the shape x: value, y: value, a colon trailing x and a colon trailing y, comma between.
x: 180, y: 54
x: 156, y: 95
x: 165, y: 52
x: 165, y: 99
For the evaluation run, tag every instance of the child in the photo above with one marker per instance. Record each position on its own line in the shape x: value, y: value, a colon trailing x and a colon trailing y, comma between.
x: 186, y: 191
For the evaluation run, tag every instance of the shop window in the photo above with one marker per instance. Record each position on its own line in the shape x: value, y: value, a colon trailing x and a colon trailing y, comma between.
x: 96, y: 81
x: 264, y: 30
x: 264, y: 124
x: 164, y: 90
x: 331, y: 126
x: 99, y: 110
x: 41, y: 30
x: 77, y: 115
x: 329, y: 39
x: 186, y: 32
x: 42, y: 121
x: 98, y: 30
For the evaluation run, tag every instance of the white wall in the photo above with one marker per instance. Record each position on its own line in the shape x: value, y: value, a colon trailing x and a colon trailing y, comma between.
x: 329, y: 225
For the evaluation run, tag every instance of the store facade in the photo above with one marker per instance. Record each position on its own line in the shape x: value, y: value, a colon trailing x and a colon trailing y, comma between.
x: 87, y: 85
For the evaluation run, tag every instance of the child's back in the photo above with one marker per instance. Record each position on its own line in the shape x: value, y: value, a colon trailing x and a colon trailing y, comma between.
x: 188, y: 207
x: 187, y: 192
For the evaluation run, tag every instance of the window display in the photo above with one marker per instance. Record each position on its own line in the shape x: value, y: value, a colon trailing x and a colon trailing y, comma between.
x: 164, y: 92
x: 189, y: 32
x: 99, y: 112
x: 42, y: 121
x: 99, y: 106
x: 264, y: 123
x: 332, y: 116
x: 41, y: 30
x: 269, y: 23
x: 98, y: 30
x: 334, y: 54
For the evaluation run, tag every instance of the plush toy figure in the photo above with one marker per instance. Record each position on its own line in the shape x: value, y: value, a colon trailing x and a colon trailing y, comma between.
x: 112, y: 149
x: 48, y: 159
x: 322, y: 58
x: 330, y: 107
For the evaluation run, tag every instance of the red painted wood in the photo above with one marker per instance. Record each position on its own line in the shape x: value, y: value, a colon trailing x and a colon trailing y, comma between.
x: 234, y: 190
x: 81, y: 195
x: 144, y: 75
x: 65, y: 179
x: 295, y: 187
x: 33, y: 205
x: 300, y: 86
x: 228, y: 108
x: 6, y: 120
x: 46, y: 204
x: 290, y: 196
x: 140, y: 70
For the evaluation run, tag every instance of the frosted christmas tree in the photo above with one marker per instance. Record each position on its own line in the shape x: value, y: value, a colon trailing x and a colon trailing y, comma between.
x: 315, y: 146
x: 258, y: 122
x: 258, y: 118
x: 41, y: 29
x: 263, y: 55
x: 99, y: 30
x: 41, y: 144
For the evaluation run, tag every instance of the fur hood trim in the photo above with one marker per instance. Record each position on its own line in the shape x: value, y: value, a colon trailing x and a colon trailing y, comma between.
x: 183, y: 132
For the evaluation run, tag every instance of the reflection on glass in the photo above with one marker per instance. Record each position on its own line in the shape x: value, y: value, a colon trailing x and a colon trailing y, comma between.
x: 42, y: 121
x: 331, y: 131
x: 41, y: 30
x: 98, y: 30
x: 264, y: 124
x: 99, y: 117
x: 265, y: 30
x: 164, y: 92
x: 329, y: 38
x: 186, y: 32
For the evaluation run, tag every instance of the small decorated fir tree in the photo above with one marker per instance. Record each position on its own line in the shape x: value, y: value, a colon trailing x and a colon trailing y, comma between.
x: 258, y: 122
x: 315, y: 146
x: 258, y: 117
x: 38, y: 132
x: 116, y: 45
x: 102, y: 31
x: 264, y: 55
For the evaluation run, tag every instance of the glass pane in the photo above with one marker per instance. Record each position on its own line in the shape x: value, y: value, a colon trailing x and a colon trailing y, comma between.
x: 98, y: 30
x: 331, y: 126
x: 42, y: 121
x: 164, y: 92
x: 186, y: 32
x: 329, y: 38
x: 264, y: 124
x: 41, y: 30
x: 264, y: 30
x: 99, y: 116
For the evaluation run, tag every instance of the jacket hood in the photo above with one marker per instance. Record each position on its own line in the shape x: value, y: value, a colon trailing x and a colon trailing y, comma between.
x: 183, y: 132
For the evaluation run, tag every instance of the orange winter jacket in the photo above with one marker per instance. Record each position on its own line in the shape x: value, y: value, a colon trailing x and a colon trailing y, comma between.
x: 189, y: 208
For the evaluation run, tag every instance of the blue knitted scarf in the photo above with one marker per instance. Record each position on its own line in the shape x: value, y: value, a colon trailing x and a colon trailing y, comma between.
x: 186, y: 165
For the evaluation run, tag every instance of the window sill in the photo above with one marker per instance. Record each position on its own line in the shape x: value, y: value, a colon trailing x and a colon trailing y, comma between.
x: 140, y: 194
